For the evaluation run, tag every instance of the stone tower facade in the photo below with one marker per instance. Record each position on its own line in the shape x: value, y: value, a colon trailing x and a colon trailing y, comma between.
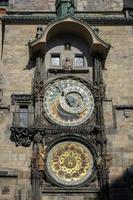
x: 84, y: 51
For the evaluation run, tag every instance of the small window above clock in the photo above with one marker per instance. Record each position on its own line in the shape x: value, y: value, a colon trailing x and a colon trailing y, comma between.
x: 79, y: 60
x: 55, y: 60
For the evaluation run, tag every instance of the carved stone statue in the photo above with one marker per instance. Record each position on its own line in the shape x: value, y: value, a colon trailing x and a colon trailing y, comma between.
x: 39, y: 31
x: 108, y: 161
x: 65, y: 8
x: 42, y: 157
x: 68, y: 64
x: 38, y: 158
x: 99, y: 161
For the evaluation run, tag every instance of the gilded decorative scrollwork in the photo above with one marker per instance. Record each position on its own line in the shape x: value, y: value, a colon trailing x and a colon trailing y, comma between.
x: 70, y: 163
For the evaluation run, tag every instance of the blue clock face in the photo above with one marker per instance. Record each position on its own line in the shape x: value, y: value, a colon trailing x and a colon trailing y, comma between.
x: 68, y: 102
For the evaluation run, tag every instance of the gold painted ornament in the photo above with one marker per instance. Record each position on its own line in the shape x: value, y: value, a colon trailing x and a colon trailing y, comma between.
x: 70, y: 163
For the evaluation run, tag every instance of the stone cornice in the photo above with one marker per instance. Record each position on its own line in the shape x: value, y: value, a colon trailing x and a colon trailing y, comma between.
x: 95, y: 18
x: 23, y: 136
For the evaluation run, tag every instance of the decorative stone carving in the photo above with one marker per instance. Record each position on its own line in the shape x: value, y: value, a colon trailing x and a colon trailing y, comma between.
x: 38, y: 88
x: 38, y: 138
x: 127, y: 113
x: 21, y: 136
x: 68, y: 64
x: 131, y: 13
x: 67, y: 46
x: 21, y: 98
x: 99, y: 161
x: 86, y: 129
x: 39, y: 31
x: 63, y: 8
x: 38, y: 159
x: 108, y: 159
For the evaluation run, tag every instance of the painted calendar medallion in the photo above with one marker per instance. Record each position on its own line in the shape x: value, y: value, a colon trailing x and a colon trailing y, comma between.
x: 70, y: 163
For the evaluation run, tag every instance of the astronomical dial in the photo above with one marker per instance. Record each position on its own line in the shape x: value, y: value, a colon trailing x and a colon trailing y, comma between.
x: 70, y: 163
x: 68, y: 102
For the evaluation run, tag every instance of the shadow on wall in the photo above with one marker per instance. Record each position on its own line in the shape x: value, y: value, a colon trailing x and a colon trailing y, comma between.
x: 31, y: 64
x: 122, y: 188
x: 57, y: 44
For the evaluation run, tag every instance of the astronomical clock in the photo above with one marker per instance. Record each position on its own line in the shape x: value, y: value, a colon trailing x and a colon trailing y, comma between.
x: 68, y: 105
x: 68, y: 91
x: 67, y: 128
x: 68, y: 102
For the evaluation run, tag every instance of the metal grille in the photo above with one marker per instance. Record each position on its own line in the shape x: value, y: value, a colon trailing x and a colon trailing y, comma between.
x: 79, y: 61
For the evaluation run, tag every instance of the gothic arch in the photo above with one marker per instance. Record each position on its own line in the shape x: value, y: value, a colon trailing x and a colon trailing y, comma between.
x: 70, y: 25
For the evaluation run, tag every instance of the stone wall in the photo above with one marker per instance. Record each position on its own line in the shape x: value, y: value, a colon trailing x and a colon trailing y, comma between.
x: 101, y: 5
x: 15, y: 78
x: 118, y: 79
x: 91, y: 5
x: 31, y: 4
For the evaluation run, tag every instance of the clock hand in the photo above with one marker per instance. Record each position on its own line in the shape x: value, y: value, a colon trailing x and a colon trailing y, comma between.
x: 70, y: 100
x: 58, y: 89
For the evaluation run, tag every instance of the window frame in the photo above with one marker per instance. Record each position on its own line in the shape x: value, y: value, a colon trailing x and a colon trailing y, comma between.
x: 55, y: 55
x: 22, y: 122
x: 78, y: 55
